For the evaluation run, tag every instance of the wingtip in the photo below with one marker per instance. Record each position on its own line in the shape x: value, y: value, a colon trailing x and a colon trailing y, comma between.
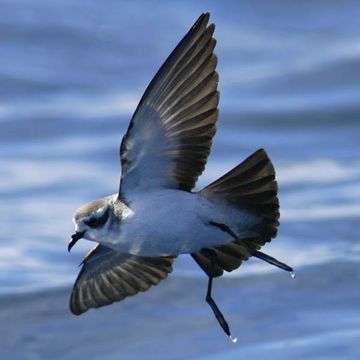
x: 211, y: 27
x: 205, y: 14
x: 75, y: 310
x: 203, y: 19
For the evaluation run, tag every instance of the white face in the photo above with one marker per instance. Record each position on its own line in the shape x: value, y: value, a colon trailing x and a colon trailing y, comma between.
x: 94, y: 225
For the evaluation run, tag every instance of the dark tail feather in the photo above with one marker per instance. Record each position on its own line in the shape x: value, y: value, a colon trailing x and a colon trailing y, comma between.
x: 252, y: 185
x: 226, y: 257
x: 249, y: 185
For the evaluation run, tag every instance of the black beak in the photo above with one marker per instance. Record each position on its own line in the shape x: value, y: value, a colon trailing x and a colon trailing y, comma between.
x: 74, y: 239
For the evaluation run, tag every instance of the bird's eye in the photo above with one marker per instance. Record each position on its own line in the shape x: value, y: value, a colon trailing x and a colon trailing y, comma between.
x: 95, y: 222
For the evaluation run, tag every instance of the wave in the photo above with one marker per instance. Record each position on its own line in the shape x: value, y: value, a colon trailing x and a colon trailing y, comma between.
x: 298, y: 347
x: 78, y: 105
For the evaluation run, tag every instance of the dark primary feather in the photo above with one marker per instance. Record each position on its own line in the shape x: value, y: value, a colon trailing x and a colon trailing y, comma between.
x: 108, y: 276
x: 169, y: 136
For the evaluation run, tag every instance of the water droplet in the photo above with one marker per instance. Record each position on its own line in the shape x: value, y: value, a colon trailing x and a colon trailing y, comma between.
x: 292, y: 274
x: 233, y: 339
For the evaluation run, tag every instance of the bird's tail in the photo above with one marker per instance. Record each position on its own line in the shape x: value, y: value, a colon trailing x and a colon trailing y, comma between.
x: 249, y: 185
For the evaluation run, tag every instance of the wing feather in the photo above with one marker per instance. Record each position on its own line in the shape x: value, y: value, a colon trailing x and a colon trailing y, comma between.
x: 170, y: 134
x: 108, y: 276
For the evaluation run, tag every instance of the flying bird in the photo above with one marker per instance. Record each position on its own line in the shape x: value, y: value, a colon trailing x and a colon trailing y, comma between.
x: 156, y: 216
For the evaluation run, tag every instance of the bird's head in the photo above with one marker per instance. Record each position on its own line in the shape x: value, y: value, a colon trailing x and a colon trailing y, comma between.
x: 92, y: 221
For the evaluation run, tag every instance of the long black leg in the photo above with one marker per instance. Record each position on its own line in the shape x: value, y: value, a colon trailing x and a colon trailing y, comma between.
x: 257, y: 254
x: 272, y: 261
x: 219, y: 316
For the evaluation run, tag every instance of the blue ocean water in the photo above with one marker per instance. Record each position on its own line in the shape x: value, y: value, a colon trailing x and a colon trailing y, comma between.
x: 72, y: 72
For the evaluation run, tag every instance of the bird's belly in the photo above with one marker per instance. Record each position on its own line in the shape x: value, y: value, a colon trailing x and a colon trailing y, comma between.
x: 164, y: 239
x: 162, y: 232
x: 171, y: 224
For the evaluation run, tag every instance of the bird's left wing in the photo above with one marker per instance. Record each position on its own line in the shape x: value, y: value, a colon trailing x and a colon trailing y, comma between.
x: 169, y: 136
x: 108, y: 276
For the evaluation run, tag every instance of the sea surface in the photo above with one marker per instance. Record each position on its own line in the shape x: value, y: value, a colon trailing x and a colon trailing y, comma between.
x: 71, y: 74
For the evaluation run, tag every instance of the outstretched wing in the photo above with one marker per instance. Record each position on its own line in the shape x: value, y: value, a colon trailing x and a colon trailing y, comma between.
x: 108, y: 276
x: 169, y: 136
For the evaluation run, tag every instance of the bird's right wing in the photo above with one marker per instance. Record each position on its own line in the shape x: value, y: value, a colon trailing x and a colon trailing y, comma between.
x: 108, y: 276
x: 169, y: 136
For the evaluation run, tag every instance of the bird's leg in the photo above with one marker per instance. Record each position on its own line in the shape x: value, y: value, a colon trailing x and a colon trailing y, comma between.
x: 257, y: 254
x: 269, y: 259
x: 219, y: 316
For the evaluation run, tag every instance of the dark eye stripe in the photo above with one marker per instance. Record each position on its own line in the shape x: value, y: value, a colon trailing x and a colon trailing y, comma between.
x: 98, y: 221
